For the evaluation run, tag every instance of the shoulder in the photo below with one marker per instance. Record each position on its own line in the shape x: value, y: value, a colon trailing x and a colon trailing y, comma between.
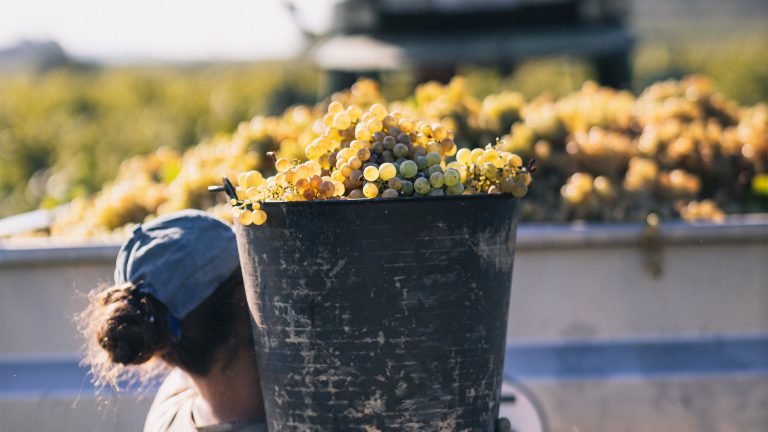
x: 172, y: 404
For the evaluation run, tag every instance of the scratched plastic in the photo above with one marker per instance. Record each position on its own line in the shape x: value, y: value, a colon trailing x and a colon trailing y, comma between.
x: 381, y: 315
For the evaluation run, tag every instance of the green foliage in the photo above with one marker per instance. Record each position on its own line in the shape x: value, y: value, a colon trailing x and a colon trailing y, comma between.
x: 557, y: 76
x: 737, y: 64
x: 65, y: 132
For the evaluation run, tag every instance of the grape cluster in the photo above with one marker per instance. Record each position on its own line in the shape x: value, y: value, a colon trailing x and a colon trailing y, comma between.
x: 135, y: 194
x: 704, y: 210
x: 678, y: 142
x: 375, y: 153
x: 500, y: 111
x: 640, y: 175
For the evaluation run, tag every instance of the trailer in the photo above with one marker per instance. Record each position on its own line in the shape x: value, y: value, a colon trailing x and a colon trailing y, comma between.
x: 363, y: 38
x: 611, y: 327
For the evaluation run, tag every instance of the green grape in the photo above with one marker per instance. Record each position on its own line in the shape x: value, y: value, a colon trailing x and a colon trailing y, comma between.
x: 407, y: 188
x: 422, y: 186
x: 342, y: 121
x: 400, y: 150
x: 326, y: 188
x: 370, y: 190
x: 388, y: 156
x: 440, y: 132
x: 489, y: 170
x: 515, y: 161
x: 389, y: 142
x: 508, y: 185
x: 390, y: 193
x: 363, y: 154
x: 527, y: 179
x: 246, y: 217
x: 436, y: 192
x: 463, y: 156
x: 520, y: 189
x: 259, y: 217
x: 408, y: 169
x: 282, y: 165
x: 451, y: 177
x: 433, y: 158
x: 395, y: 183
x: 434, y: 169
x: 371, y: 173
x: 387, y: 171
x: 378, y: 137
x: 456, y: 189
x: 421, y: 162
x: 362, y: 132
x: 436, y: 180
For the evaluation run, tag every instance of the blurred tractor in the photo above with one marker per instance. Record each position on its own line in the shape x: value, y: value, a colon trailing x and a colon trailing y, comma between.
x: 354, y: 38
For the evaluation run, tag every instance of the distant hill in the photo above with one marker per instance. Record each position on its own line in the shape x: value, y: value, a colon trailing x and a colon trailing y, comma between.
x: 34, y: 56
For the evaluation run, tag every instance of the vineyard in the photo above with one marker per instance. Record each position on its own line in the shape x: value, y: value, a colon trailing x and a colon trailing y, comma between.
x: 63, y: 133
x: 678, y: 149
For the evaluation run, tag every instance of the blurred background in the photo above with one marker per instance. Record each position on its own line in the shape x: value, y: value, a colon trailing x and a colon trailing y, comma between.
x: 650, y: 115
x: 85, y: 85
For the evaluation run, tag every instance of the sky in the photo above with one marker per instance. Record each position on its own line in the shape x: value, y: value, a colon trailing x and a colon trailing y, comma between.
x: 165, y: 30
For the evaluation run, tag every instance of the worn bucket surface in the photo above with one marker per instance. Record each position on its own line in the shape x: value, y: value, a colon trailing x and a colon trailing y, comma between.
x: 381, y: 315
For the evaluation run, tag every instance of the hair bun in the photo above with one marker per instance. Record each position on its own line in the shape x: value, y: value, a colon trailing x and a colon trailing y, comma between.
x: 131, y: 333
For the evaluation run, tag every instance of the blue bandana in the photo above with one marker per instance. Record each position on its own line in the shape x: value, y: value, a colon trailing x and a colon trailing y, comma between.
x: 180, y: 259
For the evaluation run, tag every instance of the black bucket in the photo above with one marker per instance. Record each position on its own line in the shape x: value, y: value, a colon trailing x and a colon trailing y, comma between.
x: 381, y: 315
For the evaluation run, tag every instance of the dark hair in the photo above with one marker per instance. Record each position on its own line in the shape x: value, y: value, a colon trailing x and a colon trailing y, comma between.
x: 127, y: 331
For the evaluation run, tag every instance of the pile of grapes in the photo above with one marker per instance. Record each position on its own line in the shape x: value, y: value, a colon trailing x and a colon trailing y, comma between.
x: 378, y: 154
x: 679, y: 149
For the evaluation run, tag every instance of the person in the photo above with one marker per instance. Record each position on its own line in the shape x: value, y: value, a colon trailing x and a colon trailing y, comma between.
x: 178, y: 306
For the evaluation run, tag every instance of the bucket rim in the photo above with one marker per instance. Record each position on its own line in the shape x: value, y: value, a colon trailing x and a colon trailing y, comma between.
x: 376, y: 201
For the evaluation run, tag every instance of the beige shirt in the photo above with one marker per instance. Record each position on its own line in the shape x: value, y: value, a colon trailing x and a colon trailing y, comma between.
x: 171, y: 411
